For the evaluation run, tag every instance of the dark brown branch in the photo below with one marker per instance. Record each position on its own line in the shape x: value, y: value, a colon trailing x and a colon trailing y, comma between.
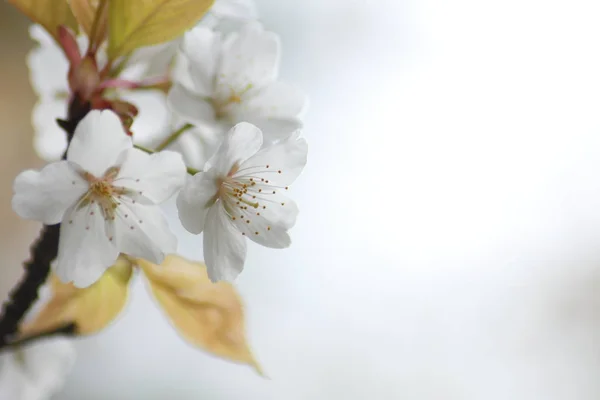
x: 64, y: 330
x: 43, y: 251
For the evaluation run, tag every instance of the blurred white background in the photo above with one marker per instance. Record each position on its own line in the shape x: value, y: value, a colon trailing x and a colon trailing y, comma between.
x: 449, y: 239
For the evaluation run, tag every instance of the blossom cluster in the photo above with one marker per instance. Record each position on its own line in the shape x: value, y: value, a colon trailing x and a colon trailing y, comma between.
x: 218, y: 130
x: 202, y: 119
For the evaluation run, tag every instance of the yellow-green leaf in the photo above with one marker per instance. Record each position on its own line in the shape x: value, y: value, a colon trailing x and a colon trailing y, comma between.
x: 91, y: 309
x: 208, y: 315
x: 48, y: 13
x: 137, y: 23
x: 85, y: 13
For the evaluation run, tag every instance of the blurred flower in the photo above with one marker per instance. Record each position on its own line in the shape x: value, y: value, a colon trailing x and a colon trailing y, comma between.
x: 240, y: 195
x: 35, y: 371
x: 234, y: 79
x: 235, y: 9
x: 105, y: 194
x: 49, y: 69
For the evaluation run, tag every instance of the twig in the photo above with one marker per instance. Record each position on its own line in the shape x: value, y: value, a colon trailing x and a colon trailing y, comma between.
x: 43, y: 251
x: 64, y: 330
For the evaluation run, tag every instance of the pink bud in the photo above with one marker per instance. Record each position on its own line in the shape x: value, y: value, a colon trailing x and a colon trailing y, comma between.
x: 84, y: 77
x: 69, y: 45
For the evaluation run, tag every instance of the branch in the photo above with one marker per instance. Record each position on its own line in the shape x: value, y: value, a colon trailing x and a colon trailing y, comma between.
x: 43, y: 251
x: 64, y: 330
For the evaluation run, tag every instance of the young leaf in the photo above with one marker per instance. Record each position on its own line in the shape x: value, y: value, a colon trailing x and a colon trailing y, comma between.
x: 48, y: 13
x: 85, y: 13
x: 91, y: 309
x: 208, y: 315
x: 136, y: 23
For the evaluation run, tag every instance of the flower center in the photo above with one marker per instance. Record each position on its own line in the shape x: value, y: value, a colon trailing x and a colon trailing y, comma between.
x: 247, y: 192
x: 222, y: 105
x: 102, y: 192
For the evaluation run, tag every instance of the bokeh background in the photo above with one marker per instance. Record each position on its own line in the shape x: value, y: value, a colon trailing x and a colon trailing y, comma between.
x: 449, y: 239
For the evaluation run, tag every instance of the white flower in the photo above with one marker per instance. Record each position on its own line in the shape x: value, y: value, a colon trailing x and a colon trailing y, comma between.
x: 36, y: 371
x: 240, y: 194
x: 235, y: 80
x: 230, y: 15
x: 235, y: 9
x: 48, y: 69
x: 105, y: 194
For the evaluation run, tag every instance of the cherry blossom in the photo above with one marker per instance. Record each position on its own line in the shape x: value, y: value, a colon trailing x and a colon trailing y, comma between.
x: 35, y: 371
x: 240, y: 195
x: 234, y: 79
x: 105, y: 195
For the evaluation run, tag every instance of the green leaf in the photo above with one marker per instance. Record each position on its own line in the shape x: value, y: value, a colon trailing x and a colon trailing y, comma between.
x: 136, y: 23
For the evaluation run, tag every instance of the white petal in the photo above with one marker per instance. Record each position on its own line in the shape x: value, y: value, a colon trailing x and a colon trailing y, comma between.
x: 241, y: 142
x: 143, y: 231
x: 278, y: 100
x: 199, y: 144
x: 268, y: 226
x: 84, y: 250
x: 224, y: 245
x: 157, y: 176
x: 98, y: 142
x: 50, y: 140
x: 195, y: 199
x: 201, y: 46
x: 287, y: 156
x: 153, y: 118
x: 35, y: 371
x: 275, y: 109
x: 14, y: 383
x: 275, y: 129
x: 180, y: 72
x: 249, y: 57
x: 190, y: 107
x: 238, y: 9
x: 47, y: 64
x: 48, y: 363
x: 154, y: 59
x: 47, y: 194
